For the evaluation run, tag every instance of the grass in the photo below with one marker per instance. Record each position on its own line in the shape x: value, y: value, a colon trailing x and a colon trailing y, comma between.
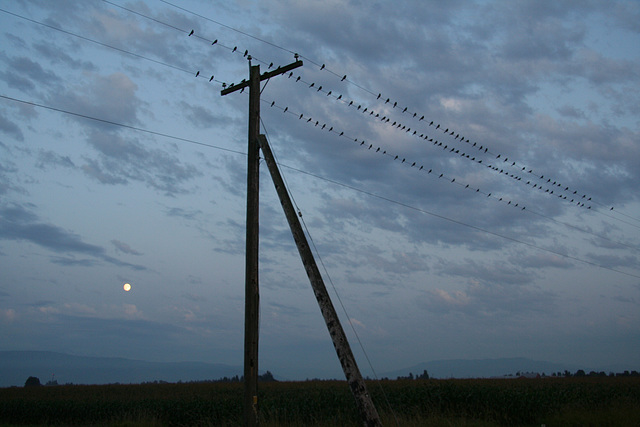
x: 470, y: 403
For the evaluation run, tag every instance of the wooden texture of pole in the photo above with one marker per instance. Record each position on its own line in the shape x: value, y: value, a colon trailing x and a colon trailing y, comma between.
x: 252, y: 292
x: 345, y: 355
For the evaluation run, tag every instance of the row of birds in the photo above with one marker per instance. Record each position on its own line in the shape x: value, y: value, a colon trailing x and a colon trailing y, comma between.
x: 403, y: 160
x: 437, y: 126
x: 449, y: 132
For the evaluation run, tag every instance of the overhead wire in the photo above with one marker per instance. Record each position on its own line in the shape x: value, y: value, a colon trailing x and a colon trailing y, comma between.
x: 378, y: 96
x: 454, y: 221
x: 571, y: 198
x: 440, y: 175
x: 328, y: 276
x: 122, y: 125
x: 481, y: 149
x: 424, y: 211
x: 239, y: 152
x: 319, y: 89
x: 95, y: 41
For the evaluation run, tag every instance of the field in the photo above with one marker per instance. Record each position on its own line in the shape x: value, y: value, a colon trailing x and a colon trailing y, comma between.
x: 588, y: 401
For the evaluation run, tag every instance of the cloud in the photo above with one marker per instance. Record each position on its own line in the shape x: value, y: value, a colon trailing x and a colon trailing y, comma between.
x: 124, y: 248
x: 7, y: 315
x: 48, y: 158
x: 614, y: 261
x: 495, y: 273
x: 121, y: 160
x: 202, y: 117
x: 57, y: 56
x: 18, y: 223
x: 10, y: 128
x: 73, y: 262
x: 487, y: 300
x: 26, y: 75
x: 111, y: 98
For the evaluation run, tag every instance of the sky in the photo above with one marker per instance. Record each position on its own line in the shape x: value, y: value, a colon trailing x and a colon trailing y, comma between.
x: 466, y: 171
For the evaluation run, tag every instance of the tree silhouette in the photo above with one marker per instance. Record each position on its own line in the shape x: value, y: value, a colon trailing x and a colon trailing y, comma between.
x: 32, y: 382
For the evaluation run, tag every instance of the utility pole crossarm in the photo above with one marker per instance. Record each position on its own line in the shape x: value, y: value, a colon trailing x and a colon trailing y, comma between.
x: 252, y: 291
x: 265, y: 76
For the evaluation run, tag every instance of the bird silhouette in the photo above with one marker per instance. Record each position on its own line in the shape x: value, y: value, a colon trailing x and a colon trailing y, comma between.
x: 197, y: 73
x: 191, y: 33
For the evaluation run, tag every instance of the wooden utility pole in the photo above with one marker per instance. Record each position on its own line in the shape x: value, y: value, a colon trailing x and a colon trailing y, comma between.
x: 358, y: 387
x: 252, y: 294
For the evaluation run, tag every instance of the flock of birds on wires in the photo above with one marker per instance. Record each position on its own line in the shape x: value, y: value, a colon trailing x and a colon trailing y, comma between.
x: 493, y: 161
x: 415, y: 124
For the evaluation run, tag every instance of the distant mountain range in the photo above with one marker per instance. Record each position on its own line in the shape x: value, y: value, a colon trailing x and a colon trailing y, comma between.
x: 17, y: 366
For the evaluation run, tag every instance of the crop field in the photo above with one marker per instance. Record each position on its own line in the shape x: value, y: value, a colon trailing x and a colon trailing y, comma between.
x: 482, y: 402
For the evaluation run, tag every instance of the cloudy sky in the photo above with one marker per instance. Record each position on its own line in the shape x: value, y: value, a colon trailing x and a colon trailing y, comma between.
x: 455, y: 163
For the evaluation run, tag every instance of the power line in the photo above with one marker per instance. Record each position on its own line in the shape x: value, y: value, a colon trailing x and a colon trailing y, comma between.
x: 414, y: 115
x: 193, y: 34
x: 298, y: 79
x: 335, y: 290
x: 482, y: 149
x: 141, y: 56
x: 554, y: 188
x: 421, y: 210
x: 454, y: 221
x: 441, y: 175
x: 122, y: 125
x: 96, y: 42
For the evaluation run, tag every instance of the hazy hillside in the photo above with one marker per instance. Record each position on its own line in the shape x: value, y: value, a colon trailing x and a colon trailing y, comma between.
x: 17, y: 366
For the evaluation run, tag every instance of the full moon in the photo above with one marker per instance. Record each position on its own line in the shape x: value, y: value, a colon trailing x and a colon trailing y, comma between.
x: 127, y: 287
